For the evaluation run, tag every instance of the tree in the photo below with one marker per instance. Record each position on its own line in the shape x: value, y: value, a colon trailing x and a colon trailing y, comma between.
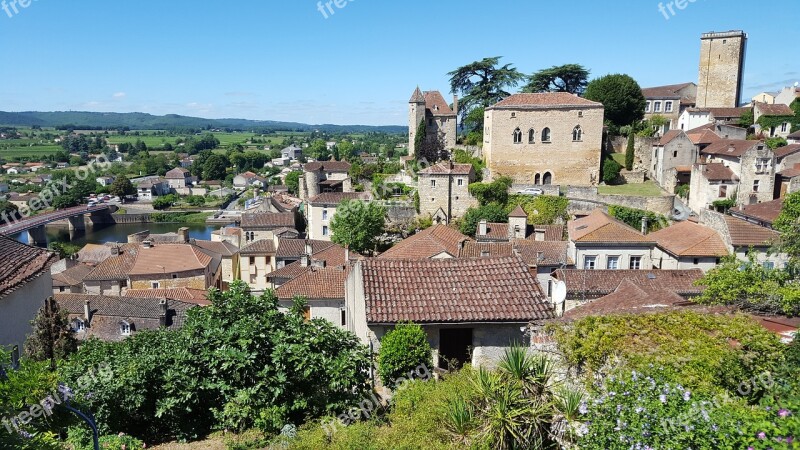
x: 215, y: 167
x: 611, y: 170
x: 572, y: 78
x: 430, y: 148
x: 494, y: 192
x: 52, y: 338
x: 492, y: 212
x: 164, y: 202
x: 403, y: 350
x: 357, y: 224
x: 622, y: 98
x: 122, y: 187
x: 318, y: 150
x: 292, y: 182
x: 482, y: 83
x: 7, y: 209
x: 630, y: 152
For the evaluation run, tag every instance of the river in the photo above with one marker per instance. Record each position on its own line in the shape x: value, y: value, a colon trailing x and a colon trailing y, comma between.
x: 120, y: 232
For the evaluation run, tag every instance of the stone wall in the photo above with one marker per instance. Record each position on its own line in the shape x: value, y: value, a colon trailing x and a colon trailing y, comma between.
x: 642, y: 148
x: 548, y: 189
x: 632, y: 177
x: 583, y: 199
x: 721, y: 62
x: 398, y: 214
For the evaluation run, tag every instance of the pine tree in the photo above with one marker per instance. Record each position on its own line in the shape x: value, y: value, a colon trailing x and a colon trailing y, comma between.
x: 52, y: 338
x: 629, y: 152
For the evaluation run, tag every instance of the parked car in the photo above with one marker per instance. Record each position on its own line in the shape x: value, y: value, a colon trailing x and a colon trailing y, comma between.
x: 530, y: 191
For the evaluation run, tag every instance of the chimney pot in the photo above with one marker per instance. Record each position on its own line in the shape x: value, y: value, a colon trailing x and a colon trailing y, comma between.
x: 644, y: 226
x: 162, y: 319
x: 482, y: 228
x: 87, y: 312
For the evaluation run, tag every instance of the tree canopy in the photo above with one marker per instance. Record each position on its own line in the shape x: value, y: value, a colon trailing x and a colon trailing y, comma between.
x: 621, y: 96
x: 572, y: 78
x: 357, y: 224
x: 483, y: 83
x: 122, y: 187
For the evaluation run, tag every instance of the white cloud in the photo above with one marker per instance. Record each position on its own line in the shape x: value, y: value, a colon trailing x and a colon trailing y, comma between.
x: 119, y: 95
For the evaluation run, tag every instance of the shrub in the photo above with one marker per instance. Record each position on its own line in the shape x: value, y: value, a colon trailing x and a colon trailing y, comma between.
x: 633, y: 217
x: 611, y: 170
x: 541, y: 209
x: 494, y: 192
x: 493, y: 212
x: 402, y: 350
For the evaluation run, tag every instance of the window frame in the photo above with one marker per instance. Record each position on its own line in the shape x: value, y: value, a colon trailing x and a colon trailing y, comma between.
x: 635, y: 261
x: 616, y: 259
x: 545, y: 137
x: 589, y: 260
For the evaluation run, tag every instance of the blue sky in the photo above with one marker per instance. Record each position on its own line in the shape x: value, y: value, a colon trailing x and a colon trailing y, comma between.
x: 283, y: 60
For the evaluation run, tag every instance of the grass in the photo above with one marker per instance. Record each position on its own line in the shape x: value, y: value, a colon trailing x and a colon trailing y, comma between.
x: 619, y: 158
x: 25, y: 151
x: 646, y: 189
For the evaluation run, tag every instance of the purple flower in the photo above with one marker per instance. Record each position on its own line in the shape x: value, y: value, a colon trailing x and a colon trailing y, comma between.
x: 761, y: 435
x: 583, y: 408
x: 686, y: 396
x: 663, y: 398
x: 783, y: 413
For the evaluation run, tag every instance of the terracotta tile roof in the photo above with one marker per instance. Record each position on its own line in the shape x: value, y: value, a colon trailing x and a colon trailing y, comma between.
x: 288, y: 271
x: 730, y: 147
x: 327, y: 166
x: 20, y: 263
x: 777, y: 109
x: 518, y: 212
x: 444, y: 168
x: 543, y: 253
x: 177, y: 174
x: 260, y: 247
x: 766, y: 212
x: 716, y: 172
x: 720, y: 113
x: 790, y: 172
x: 703, y: 136
x: 94, y: 253
x: 267, y: 220
x: 494, y: 232
x: 72, y: 276
x: 195, y: 296
x: 668, y: 91
x: 221, y: 248
x: 795, y: 135
x: 486, y: 250
x: 669, y: 136
x: 334, y: 198
x: 551, y: 232
x: 315, y: 283
x: 628, y: 298
x: 452, y: 291
x: 295, y: 248
x: 787, y: 150
x: 332, y: 256
x: 417, y: 96
x: 427, y: 244
x: 169, y: 258
x: 600, y: 227
x: 597, y: 283
x: 115, y: 267
x: 746, y: 234
x: 683, y: 168
x: 545, y: 100
x: 436, y: 104
x: 690, y: 239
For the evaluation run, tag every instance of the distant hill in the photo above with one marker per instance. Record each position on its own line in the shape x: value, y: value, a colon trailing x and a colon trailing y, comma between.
x: 143, y: 121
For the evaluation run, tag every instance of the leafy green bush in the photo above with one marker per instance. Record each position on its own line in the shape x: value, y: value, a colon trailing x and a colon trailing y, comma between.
x: 611, y: 170
x: 462, y: 157
x: 633, y: 217
x: 165, y: 201
x: 402, y: 350
x: 541, y: 209
x: 493, y: 212
x: 494, y: 192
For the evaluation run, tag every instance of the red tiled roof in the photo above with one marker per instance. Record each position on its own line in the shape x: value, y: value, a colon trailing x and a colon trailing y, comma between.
x: 551, y: 232
x: 427, y: 244
x: 600, y: 227
x: 72, y: 276
x: 668, y: 91
x: 717, y: 172
x: 315, y: 283
x: 690, y: 239
x: 417, y: 96
x: 295, y: 248
x: 436, y: 104
x: 194, y: 296
x: 597, y: 283
x: 628, y: 298
x: 669, y: 136
x: 115, y: 267
x: 334, y: 198
x: 444, y: 168
x: 543, y: 253
x: 327, y: 166
x: 494, y: 232
x: 222, y: 248
x: 268, y: 220
x: 518, y: 212
x: 746, y: 234
x: 703, y: 135
x: 260, y: 247
x: 177, y: 174
x: 723, y: 112
x: 452, y: 291
x: 169, y: 258
x: 546, y: 99
x: 730, y: 147
x: 20, y: 263
x: 473, y: 249
x: 777, y: 109
x: 787, y: 150
x: 766, y: 212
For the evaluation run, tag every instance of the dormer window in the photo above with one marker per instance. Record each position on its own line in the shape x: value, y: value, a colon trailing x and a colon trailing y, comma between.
x: 78, y: 325
x: 125, y: 328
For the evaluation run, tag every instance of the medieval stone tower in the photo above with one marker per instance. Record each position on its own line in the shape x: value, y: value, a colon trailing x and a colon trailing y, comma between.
x: 722, y: 58
x: 416, y: 114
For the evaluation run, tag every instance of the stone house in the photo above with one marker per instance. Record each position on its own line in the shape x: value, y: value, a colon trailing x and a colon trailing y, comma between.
x: 324, y: 290
x: 293, y: 152
x: 471, y: 309
x: 174, y: 266
x: 669, y: 102
x: 765, y: 97
x: 780, y: 114
x: 788, y: 95
x: 673, y: 151
x: 741, y: 236
x: 787, y: 168
x: 444, y: 191
x: 114, y: 319
x: 325, y: 176
x: 229, y: 259
x: 25, y: 284
x: 752, y: 164
x: 179, y: 178
x: 262, y: 225
x: 71, y: 279
x: 544, y: 139
x: 436, y: 242
x: 321, y: 209
x: 710, y: 183
x: 599, y: 241
x: 248, y: 179
x: 257, y: 261
x: 440, y: 119
x: 149, y: 189
x: 687, y: 245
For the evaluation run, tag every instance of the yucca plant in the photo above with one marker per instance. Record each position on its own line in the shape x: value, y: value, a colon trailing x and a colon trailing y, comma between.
x: 459, y: 419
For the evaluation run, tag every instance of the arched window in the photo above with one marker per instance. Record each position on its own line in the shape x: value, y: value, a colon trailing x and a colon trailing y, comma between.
x: 537, y: 179
x: 517, y: 136
x: 577, y: 133
x: 531, y: 136
x: 548, y: 178
x: 546, y: 135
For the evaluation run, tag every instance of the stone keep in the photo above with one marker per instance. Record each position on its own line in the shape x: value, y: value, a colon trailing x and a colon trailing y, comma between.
x: 721, y: 68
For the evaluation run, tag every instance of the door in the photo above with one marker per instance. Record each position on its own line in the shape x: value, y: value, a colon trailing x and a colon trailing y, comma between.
x: 455, y: 345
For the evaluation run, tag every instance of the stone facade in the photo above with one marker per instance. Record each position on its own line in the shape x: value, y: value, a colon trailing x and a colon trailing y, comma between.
x: 321, y: 209
x: 444, y: 191
x: 550, y: 138
x: 757, y: 176
x: 441, y: 120
x: 587, y: 199
x: 669, y: 102
x: 193, y: 280
x: 672, y: 151
x: 722, y: 57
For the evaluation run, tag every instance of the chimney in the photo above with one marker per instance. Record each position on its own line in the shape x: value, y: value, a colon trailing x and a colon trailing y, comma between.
x: 455, y: 104
x: 482, y: 226
x: 347, y: 255
x: 87, y: 312
x: 304, y: 260
x: 162, y: 318
x: 183, y: 233
x: 115, y: 250
x: 644, y: 226
x: 147, y: 244
x: 309, y: 248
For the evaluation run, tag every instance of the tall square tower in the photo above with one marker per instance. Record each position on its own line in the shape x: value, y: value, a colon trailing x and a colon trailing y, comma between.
x: 721, y: 69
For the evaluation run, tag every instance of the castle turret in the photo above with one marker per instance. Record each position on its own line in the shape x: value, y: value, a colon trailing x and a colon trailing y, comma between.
x: 312, y: 183
x: 416, y: 114
x: 517, y: 223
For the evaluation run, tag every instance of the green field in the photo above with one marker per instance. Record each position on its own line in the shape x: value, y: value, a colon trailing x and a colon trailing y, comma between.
x: 646, y: 189
x: 24, y: 151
